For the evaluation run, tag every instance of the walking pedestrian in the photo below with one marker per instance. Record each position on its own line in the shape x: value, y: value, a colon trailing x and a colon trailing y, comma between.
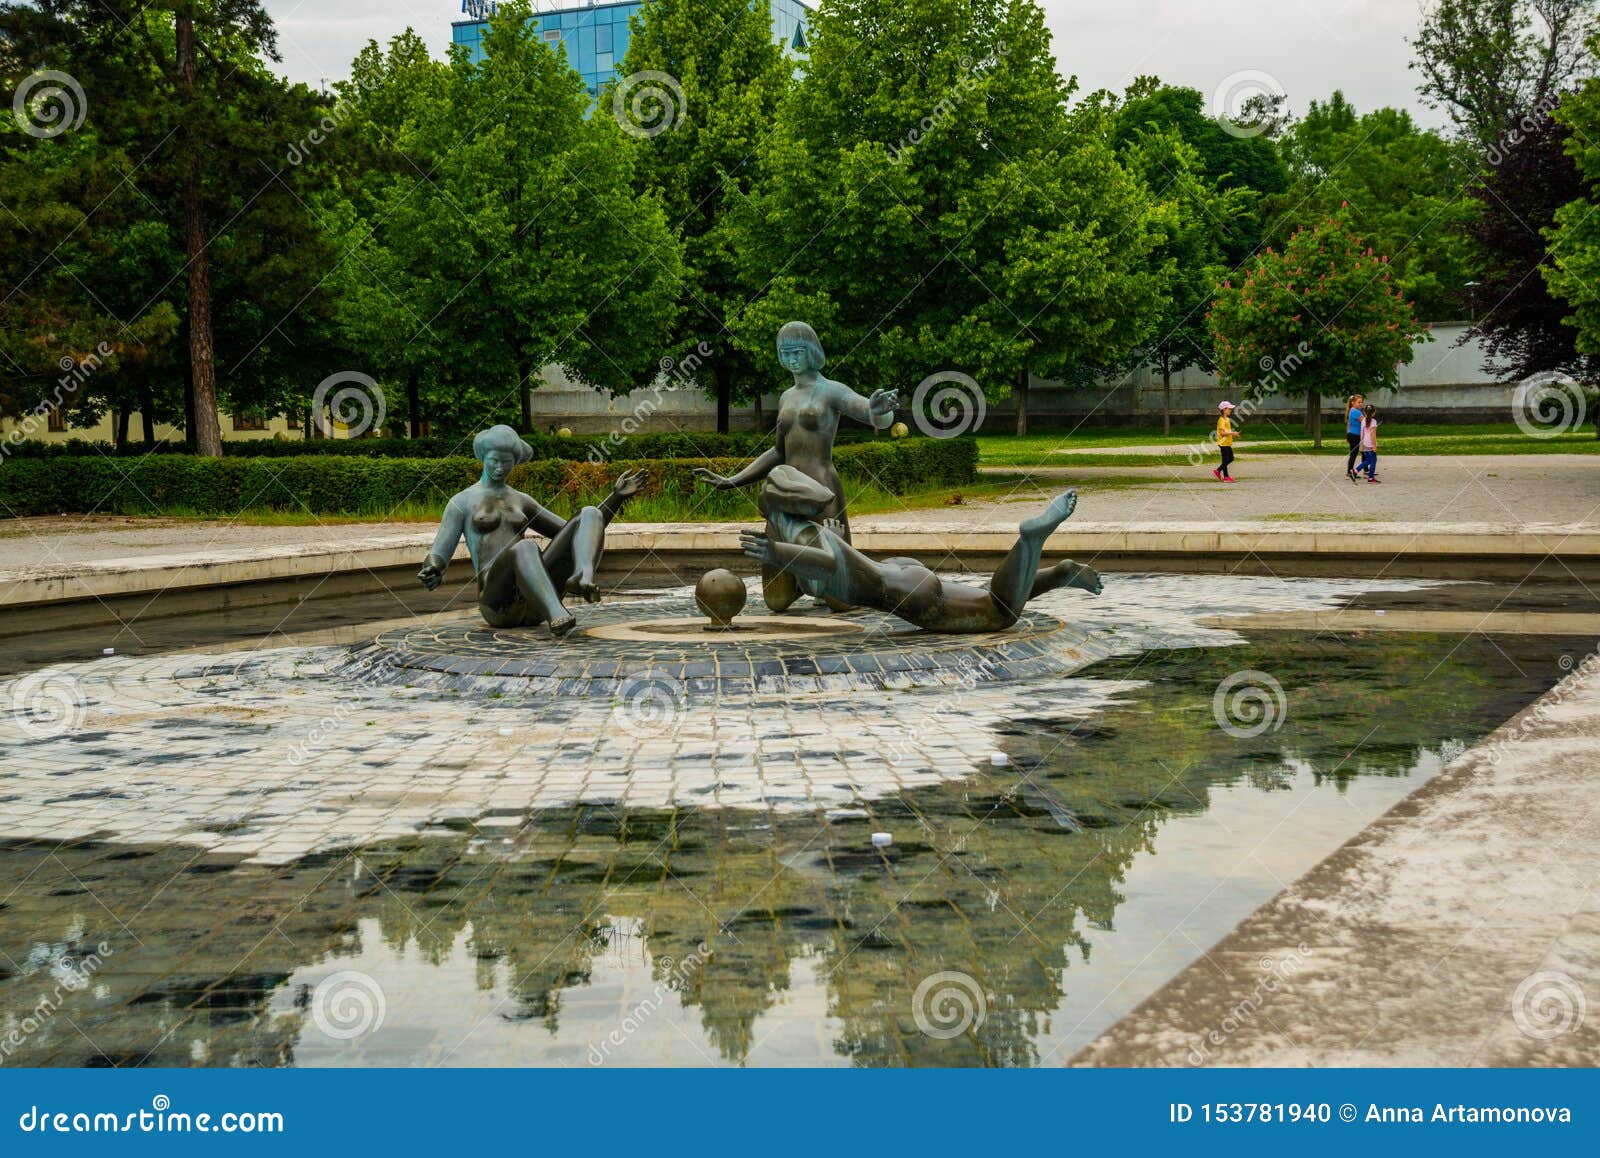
x: 1225, y: 436
x: 1352, y: 432
x: 1369, y: 444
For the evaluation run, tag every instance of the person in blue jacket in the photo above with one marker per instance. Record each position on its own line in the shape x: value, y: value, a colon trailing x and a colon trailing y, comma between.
x: 1353, y: 410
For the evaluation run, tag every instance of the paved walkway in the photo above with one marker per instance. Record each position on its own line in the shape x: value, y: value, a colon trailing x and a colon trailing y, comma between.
x: 1517, y: 489
x: 1158, y: 447
x: 1461, y: 929
x: 1519, y: 492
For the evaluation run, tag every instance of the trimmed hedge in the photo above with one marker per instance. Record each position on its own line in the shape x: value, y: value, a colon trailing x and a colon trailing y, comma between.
x: 691, y: 444
x: 333, y: 484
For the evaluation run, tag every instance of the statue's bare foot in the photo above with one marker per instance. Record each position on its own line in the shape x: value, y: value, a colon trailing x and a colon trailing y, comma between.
x: 1046, y: 521
x: 1086, y: 579
x: 586, y: 587
x: 560, y: 627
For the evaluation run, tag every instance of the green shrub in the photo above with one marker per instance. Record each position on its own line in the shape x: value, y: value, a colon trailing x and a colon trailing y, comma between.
x: 592, y: 447
x: 352, y: 485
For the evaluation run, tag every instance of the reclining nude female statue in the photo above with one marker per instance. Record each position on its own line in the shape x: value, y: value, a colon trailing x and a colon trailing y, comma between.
x: 826, y: 565
x: 520, y: 585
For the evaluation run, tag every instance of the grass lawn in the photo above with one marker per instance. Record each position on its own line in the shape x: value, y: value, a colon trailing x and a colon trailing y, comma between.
x: 1273, y: 437
x: 710, y: 506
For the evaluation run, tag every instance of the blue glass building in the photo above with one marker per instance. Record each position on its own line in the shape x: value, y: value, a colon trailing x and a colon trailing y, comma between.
x: 596, y: 35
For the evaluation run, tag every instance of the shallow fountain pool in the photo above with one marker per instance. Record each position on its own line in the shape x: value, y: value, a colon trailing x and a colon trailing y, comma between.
x: 206, y: 870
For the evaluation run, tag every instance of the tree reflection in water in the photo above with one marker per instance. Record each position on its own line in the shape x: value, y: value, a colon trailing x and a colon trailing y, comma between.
x: 1007, y: 877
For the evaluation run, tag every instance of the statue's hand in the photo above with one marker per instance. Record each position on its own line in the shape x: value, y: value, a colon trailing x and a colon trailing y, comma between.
x: 758, y: 547
x: 629, y: 483
x: 883, y: 402
x: 431, y: 576
x: 707, y: 475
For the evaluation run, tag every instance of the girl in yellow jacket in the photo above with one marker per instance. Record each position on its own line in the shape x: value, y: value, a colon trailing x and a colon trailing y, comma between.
x: 1225, y: 437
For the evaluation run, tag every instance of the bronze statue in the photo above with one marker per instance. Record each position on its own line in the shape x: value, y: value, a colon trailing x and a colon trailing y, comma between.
x: 518, y: 584
x: 808, y: 420
x: 828, y: 565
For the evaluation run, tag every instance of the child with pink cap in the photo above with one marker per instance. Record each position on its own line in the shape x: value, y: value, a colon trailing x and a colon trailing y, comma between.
x: 1225, y: 436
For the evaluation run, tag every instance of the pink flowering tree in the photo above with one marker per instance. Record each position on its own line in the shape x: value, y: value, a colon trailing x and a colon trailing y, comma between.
x: 1320, y: 318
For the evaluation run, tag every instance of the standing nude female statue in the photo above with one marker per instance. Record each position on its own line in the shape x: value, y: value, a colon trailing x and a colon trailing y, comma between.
x: 518, y: 584
x: 808, y: 420
x: 904, y: 587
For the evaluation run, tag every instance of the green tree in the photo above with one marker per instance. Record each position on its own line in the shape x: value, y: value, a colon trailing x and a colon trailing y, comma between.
x: 718, y: 76
x: 1320, y: 317
x: 1196, y: 221
x: 389, y: 118
x: 542, y: 250
x: 1406, y: 189
x: 1573, y: 270
x: 1492, y: 63
x: 181, y: 87
x: 930, y: 204
x: 77, y: 246
x: 1522, y: 325
x: 1229, y: 160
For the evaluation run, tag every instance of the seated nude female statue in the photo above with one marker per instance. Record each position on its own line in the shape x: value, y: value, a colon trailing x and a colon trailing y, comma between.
x: 828, y: 566
x: 518, y: 584
x: 808, y: 421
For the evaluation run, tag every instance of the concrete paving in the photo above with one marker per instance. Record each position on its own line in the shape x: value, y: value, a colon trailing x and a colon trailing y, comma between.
x: 1460, y: 929
x: 1518, y: 492
x: 1514, y: 490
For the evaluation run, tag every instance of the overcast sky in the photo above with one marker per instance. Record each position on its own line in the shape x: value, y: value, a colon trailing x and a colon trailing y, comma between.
x: 1308, y: 48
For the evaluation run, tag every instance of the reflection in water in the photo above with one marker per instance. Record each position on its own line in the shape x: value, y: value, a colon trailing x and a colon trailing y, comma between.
x: 1064, y: 888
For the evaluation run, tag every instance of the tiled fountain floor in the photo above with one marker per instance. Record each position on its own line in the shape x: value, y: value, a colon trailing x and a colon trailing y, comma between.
x: 274, y: 754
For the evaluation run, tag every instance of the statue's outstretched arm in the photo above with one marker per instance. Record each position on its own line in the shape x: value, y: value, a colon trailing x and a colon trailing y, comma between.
x: 451, y: 527
x: 807, y: 562
x: 876, y: 412
x: 756, y: 470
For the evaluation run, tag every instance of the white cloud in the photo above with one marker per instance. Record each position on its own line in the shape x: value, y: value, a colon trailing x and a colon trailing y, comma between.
x: 1311, y: 48
x: 1360, y: 46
